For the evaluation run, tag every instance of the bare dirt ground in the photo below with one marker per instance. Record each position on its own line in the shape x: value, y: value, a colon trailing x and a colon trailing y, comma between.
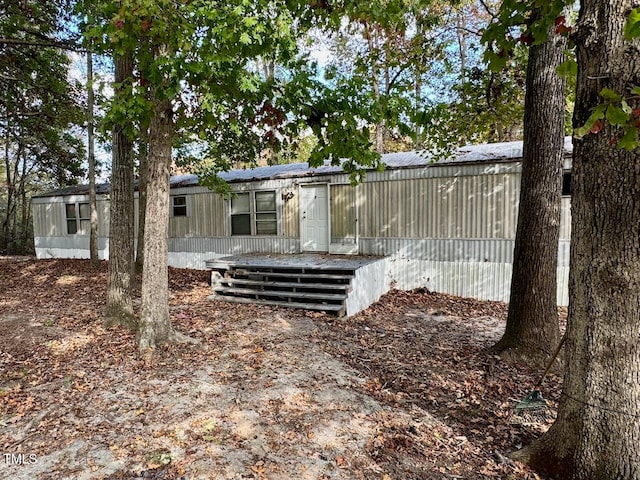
x: 400, y: 391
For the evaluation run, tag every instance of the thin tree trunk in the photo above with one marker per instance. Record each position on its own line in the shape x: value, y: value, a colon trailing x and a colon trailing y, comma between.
x: 417, y: 143
x: 23, y: 247
x: 7, y: 219
x: 119, y: 308
x: 93, y: 237
x: 597, y: 432
x: 370, y: 36
x: 143, y: 167
x: 13, y: 249
x: 462, y: 44
x: 12, y: 175
x: 532, y: 332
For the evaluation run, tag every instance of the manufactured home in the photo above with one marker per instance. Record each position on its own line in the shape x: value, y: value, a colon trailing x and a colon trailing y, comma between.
x: 448, y: 225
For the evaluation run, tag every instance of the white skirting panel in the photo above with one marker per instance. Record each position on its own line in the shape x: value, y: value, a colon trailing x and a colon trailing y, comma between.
x: 481, y: 280
x: 53, y: 252
x: 370, y: 283
x: 193, y: 260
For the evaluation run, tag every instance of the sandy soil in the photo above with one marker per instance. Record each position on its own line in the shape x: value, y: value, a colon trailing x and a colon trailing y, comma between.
x: 400, y: 391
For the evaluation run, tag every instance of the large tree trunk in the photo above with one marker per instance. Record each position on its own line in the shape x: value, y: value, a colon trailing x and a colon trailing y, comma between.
x: 121, y: 223
x: 597, y: 432
x: 532, y: 332
x: 93, y: 236
x: 143, y: 166
x: 155, y: 324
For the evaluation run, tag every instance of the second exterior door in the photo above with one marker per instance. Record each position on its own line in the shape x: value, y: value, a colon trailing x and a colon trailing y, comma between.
x: 314, y: 218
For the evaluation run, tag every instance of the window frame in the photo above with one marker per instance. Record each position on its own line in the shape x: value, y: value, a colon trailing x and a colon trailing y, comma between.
x: 71, y: 220
x: 184, y: 206
x: 239, y: 214
x: 77, y: 220
x: 273, y: 212
x: 253, y: 214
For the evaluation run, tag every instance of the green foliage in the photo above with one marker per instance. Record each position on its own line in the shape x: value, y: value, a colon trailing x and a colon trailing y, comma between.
x: 40, y: 111
x: 225, y: 110
x: 616, y: 106
x: 488, y: 107
x: 40, y: 107
x: 568, y: 68
x: 388, y: 52
x: 623, y: 119
x: 632, y: 27
x: 522, y: 23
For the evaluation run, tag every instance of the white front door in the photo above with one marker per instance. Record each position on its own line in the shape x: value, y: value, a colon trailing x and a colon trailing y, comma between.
x: 314, y: 218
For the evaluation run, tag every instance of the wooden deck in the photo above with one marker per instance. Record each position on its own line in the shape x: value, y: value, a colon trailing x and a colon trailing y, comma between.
x: 315, y: 261
x: 342, y: 284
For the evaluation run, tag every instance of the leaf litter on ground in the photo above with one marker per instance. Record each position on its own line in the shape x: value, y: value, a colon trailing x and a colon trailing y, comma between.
x: 401, y: 390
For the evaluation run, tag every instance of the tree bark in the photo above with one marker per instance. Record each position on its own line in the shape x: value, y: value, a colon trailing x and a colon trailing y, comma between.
x: 119, y: 308
x: 93, y: 237
x: 143, y: 155
x: 461, y: 36
x: 597, y: 432
x: 143, y: 167
x: 373, y: 43
x: 532, y: 332
x: 25, y: 220
x: 7, y: 219
x: 155, y: 324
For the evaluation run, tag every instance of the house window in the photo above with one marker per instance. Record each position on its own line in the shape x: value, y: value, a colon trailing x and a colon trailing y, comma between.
x: 241, y: 214
x: 266, y: 221
x: 85, y: 218
x: 254, y: 213
x: 78, y: 218
x: 179, y: 206
x: 566, y: 183
x: 72, y: 218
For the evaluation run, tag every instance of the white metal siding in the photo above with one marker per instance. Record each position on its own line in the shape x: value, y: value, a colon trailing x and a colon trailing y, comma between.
x: 444, y: 207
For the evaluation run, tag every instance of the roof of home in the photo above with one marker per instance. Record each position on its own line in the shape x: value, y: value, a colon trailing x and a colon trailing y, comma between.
x: 483, y: 153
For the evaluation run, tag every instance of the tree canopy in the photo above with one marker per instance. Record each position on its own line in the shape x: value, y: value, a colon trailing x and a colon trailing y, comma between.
x: 40, y: 112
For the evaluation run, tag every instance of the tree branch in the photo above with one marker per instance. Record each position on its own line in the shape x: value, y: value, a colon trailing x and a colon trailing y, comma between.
x: 488, y: 10
x: 22, y: 114
x: 42, y: 43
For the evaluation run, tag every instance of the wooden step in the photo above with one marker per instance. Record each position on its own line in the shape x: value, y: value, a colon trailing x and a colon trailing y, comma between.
x: 328, y: 276
x: 275, y: 293
x: 339, y: 309
x: 345, y: 287
x: 307, y: 267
